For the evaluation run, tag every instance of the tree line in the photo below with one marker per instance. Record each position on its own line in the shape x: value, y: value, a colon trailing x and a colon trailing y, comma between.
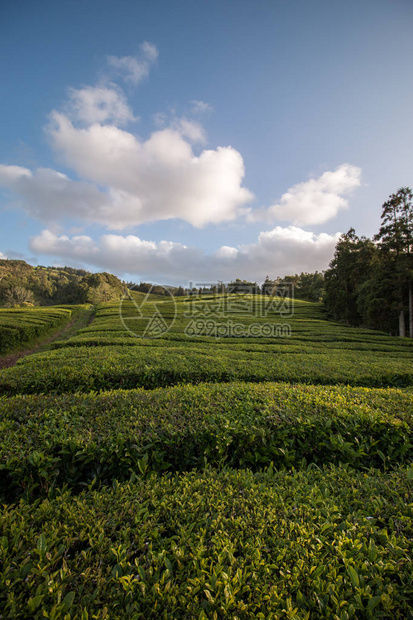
x: 369, y: 281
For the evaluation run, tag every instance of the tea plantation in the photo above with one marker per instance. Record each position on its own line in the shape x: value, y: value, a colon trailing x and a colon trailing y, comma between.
x: 208, y: 458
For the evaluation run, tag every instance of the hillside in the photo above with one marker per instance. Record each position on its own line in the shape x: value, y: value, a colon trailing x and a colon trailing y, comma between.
x: 22, y: 284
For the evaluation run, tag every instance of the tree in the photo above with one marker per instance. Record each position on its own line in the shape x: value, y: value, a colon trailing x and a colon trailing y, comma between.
x: 243, y: 286
x: 376, y: 299
x: 395, y: 239
x: 307, y: 286
x: 349, y: 270
x: 310, y: 286
x: 16, y: 295
x: 269, y: 287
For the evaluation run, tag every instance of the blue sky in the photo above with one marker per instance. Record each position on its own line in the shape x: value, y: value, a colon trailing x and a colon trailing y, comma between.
x: 178, y: 141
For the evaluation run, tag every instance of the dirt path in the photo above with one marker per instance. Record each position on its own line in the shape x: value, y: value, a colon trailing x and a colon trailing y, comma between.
x: 10, y: 359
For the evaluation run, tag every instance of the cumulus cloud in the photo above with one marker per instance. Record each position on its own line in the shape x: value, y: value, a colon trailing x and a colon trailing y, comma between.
x: 143, y: 181
x: 226, y: 251
x: 186, y: 127
x: 106, y: 103
x: 275, y: 252
x: 78, y: 247
x: 134, y: 69
x: 315, y: 201
x: 99, y: 104
x: 11, y: 174
x: 155, y: 179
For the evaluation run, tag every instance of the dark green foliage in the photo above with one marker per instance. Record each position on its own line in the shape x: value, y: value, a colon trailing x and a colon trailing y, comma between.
x: 243, y: 286
x: 370, y: 283
x: 349, y: 271
x: 156, y: 289
x: 22, y: 284
x: 307, y: 286
x: 50, y: 441
x: 396, y: 230
x: 328, y: 543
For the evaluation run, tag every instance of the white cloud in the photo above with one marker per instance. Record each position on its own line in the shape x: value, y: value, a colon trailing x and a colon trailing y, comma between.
x: 51, y: 196
x: 280, y: 251
x: 200, y: 107
x: 78, y: 247
x: 134, y: 69
x: 143, y: 181
x: 190, y: 129
x: 314, y: 201
x: 151, y: 180
x: 107, y: 103
x: 186, y: 127
x: 10, y: 174
x: 99, y: 104
x: 226, y: 252
x: 149, y: 51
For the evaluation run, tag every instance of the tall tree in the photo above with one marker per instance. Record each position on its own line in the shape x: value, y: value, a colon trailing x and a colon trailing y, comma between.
x: 348, y: 272
x: 395, y: 239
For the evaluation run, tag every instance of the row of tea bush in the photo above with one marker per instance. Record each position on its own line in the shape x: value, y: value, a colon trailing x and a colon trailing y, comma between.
x: 74, y: 439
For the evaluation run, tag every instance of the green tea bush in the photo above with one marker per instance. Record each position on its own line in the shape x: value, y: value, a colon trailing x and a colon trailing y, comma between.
x: 85, y: 368
x: 76, y: 439
x: 20, y: 326
x: 328, y: 543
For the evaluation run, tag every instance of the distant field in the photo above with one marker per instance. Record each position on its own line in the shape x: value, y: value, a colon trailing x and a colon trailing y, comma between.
x: 105, y: 355
x: 208, y: 473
